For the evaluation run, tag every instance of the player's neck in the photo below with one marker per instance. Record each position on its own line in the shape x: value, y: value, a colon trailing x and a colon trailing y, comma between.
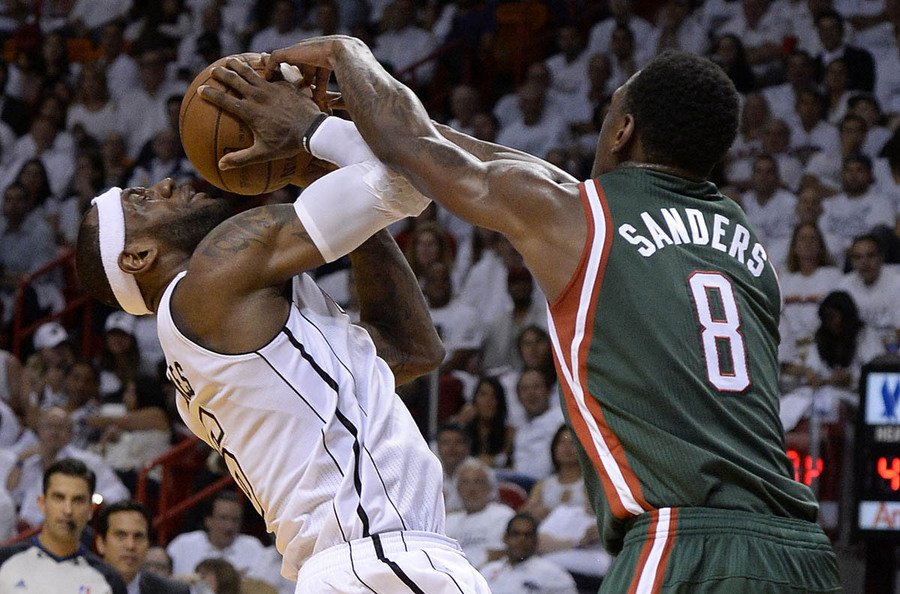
x: 677, y: 171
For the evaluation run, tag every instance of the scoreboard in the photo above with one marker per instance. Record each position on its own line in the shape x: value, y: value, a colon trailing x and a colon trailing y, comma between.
x: 877, y: 476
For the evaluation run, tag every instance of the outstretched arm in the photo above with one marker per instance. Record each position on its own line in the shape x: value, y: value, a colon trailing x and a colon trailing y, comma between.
x: 393, y: 309
x: 531, y: 202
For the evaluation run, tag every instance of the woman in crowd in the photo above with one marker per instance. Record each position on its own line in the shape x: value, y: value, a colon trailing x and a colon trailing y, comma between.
x: 93, y: 114
x: 485, y: 423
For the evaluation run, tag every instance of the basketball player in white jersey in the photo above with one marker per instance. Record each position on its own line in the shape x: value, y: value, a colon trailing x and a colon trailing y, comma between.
x: 271, y: 373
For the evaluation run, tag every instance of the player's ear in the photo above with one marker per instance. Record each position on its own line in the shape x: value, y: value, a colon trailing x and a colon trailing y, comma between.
x: 624, y: 134
x: 138, y: 256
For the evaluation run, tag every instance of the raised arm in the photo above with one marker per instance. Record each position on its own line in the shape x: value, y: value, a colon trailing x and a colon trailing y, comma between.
x: 531, y: 202
x: 393, y: 309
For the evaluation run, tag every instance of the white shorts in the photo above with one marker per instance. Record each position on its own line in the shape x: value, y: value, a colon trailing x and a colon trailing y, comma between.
x: 392, y: 563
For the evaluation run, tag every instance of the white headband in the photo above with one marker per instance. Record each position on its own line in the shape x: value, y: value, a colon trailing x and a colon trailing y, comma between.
x: 112, y: 242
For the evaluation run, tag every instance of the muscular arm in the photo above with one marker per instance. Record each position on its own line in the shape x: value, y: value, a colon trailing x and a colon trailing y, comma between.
x: 522, y: 198
x: 393, y: 309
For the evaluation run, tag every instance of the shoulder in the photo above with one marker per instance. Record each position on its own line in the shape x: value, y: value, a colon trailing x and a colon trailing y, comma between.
x: 154, y: 584
x: 10, y: 551
x: 112, y: 577
x: 188, y: 539
x: 249, y: 543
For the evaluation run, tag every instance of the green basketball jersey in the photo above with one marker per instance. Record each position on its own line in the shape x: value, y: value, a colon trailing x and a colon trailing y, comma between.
x: 665, y: 342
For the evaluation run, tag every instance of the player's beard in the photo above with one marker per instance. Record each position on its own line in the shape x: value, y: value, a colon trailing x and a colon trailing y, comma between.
x: 185, y: 233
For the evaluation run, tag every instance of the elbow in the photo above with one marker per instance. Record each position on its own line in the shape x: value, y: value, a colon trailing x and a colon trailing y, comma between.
x: 420, y: 361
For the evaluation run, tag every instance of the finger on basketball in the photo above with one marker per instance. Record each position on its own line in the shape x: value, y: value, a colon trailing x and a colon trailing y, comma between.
x: 245, y: 71
x: 247, y: 156
x: 222, y: 99
x: 231, y: 79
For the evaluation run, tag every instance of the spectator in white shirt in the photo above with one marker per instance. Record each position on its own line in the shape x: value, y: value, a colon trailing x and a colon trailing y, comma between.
x: 144, y: 112
x: 54, y: 433
x: 282, y: 29
x: 531, y: 446
x: 465, y: 103
x: 799, y: 72
x: 622, y: 12
x: 479, y: 526
x: 540, y: 129
x: 122, y: 73
x: 679, y: 27
x: 453, y: 447
x: 866, y: 106
x: 857, y: 210
x: 456, y: 323
x: 190, y: 59
x: 769, y: 207
x: 403, y: 43
x: 568, y: 68
x: 220, y: 540
x: 521, y: 570
x: 762, y: 29
x: 874, y: 288
x: 810, y: 132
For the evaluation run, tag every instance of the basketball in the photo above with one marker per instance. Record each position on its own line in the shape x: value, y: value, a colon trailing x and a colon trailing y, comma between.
x: 208, y: 133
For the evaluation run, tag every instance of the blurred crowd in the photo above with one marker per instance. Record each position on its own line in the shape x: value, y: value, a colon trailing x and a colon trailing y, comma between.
x: 90, y: 92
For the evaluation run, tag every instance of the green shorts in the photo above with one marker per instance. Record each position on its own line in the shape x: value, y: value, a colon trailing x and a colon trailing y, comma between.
x: 706, y: 550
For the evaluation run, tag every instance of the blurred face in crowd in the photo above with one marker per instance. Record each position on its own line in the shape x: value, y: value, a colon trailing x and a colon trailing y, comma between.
x: 486, y: 401
x: 157, y: 562
x: 474, y: 488
x: 452, y: 449
x: 809, y: 205
x: 125, y: 543
x: 776, y: 137
x: 224, y: 523
x: 533, y: 393
x: 54, y: 429
x: 765, y: 177
x: 866, y: 260
x: 830, y: 32
x: 534, y: 349
x: 520, y: 540
x: 855, y: 178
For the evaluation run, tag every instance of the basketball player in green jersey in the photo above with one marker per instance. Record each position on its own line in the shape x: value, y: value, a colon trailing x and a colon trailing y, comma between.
x: 663, y: 309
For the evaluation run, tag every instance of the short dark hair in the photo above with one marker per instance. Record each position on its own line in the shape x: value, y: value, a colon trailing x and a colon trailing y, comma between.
x: 228, y: 579
x: 521, y: 516
x: 830, y: 13
x: 127, y: 505
x: 454, y: 427
x: 88, y: 262
x: 879, y: 246
x: 71, y: 467
x: 685, y: 109
x: 226, y: 495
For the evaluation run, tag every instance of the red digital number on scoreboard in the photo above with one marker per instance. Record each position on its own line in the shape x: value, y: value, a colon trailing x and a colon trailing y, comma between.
x: 890, y: 473
x: 806, y: 468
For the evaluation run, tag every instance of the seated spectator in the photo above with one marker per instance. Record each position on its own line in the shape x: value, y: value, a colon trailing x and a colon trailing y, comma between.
x: 860, y: 64
x: 56, y: 557
x: 116, y: 162
x: 568, y: 68
x: 540, y: 129
x: 729, y: 53
x: 132, y: 438
x: 158, y: 562
x: 826, y: 165
x: 769, y: 207
x: 221, y: 539
x: 167, y: 160
x: 480, y: 273
x: 679, y: 27
x: 835, y: 83
x: 875, y: 289
x: 485, y: 422
x: 45, y: 369
x: 81, y: 389
x: 531, y: 446
x: 403, y: 43
x: 54, y: 434
x: 428, y: 244
x: 782, y: 98
x: 11, y: 382
x: 565, y: 486
x: 857, y: 210
x: 536, y: 352
x: 94, y: 113
x: 123, y: 538
x: 190, y: 60
x: 521, y: 570
x: 453, y: 447
x: 479, y: 526
x: 748, y: 143
x: 122, y: 73
x: 499, y: 346
x: 10, y: 428
x: 456, y: 323
x: 810, y: 132
x: 843, y: 344
x: 89, y: 181
x: 810, y: 275
x: 508, y: 110
x: 621, y: 11
x: 465, y: 102
x: 220, y: 576
x: 281, y: 29
x: 866, y: 106
x: 119, y: 360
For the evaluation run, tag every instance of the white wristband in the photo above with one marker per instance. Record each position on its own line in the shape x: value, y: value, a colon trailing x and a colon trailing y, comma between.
x: 344, y: 208
x: 338, y: 141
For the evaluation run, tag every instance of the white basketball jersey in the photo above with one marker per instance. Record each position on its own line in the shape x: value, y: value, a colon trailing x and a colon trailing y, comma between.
x: 310, y: 428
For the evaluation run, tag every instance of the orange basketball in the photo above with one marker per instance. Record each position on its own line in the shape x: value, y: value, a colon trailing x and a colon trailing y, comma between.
x: 208, y: 133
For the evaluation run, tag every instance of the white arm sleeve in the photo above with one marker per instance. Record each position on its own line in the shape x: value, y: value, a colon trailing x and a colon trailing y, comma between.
x: 344, y: 208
